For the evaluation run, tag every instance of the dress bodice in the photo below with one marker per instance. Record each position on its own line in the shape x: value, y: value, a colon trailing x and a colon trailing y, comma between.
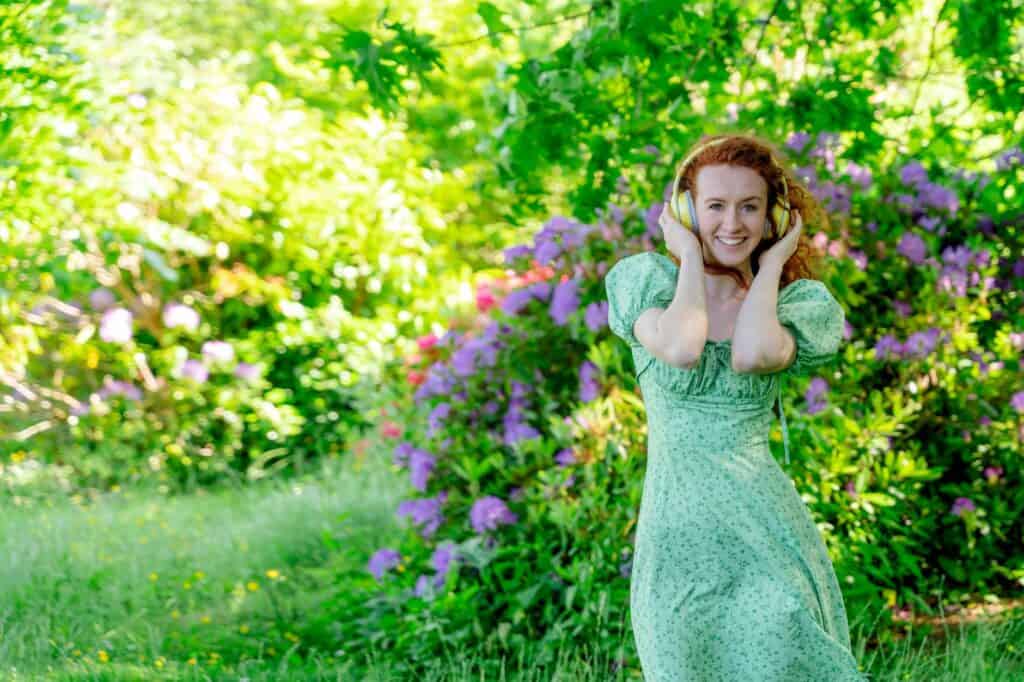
x: 805, y: 307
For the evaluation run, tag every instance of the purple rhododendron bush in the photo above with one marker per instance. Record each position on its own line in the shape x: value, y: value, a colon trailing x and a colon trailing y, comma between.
x: 522, y: 434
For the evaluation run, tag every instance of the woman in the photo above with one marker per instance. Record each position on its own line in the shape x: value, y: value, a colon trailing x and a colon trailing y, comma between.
x: 731, y: 580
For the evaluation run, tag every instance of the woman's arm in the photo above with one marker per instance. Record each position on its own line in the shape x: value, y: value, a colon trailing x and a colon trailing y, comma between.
x: 676, y: 335
x: 760, y: 345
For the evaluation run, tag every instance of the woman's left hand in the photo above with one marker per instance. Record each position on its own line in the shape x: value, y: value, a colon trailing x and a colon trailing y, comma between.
x: 781, y: 250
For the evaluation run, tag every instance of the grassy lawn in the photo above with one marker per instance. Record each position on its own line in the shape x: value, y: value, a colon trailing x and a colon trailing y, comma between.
x: 139, y: 586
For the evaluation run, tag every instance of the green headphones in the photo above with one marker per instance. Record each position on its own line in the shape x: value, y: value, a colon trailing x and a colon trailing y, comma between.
x: 780, y: 211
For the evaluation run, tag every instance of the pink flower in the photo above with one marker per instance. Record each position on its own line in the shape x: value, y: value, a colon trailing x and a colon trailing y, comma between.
x: 116, y: 325
x: 218, y: 351
x: 428, y: 341
x: 390, y: 429
x: 178, y: 315
x: 195, y: 370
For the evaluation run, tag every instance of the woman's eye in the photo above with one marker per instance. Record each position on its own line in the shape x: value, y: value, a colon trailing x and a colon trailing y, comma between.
x: 751, y: 207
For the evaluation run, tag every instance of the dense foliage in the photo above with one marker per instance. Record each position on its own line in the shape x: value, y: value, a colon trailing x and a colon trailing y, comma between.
x: 233, y: 235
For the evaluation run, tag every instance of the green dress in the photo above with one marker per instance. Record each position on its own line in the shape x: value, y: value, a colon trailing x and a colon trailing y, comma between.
x: 731, y: 580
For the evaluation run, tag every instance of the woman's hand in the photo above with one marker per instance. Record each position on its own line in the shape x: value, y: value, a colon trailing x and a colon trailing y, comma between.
x: 679, y: 239
x: 781, y: 250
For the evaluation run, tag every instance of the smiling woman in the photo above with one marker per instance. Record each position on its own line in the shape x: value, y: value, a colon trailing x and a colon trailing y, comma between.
x: 736, y: 195
x: 731, y: 578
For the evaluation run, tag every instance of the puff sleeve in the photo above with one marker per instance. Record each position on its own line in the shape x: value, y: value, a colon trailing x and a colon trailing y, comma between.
x: 807, y: 308
x: 635, y: 283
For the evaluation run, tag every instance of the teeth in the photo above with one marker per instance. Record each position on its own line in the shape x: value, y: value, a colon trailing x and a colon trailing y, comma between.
x: 731, y: 242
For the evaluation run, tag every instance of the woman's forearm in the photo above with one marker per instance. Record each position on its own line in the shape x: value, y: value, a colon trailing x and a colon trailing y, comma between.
x: 758, y: 337
x: 683, y: 326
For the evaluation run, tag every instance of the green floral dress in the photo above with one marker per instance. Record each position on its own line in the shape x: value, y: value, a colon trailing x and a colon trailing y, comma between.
x: 731, y: 580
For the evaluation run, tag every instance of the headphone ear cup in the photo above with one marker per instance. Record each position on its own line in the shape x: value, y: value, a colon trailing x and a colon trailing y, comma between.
x: 781, y: 216
x: 690, y: 216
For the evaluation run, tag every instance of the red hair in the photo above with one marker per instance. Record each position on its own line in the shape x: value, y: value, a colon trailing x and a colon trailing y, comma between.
x: 757, y: 154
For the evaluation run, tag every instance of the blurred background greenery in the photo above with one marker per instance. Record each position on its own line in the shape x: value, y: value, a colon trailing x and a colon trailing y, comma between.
x: 231, y: 234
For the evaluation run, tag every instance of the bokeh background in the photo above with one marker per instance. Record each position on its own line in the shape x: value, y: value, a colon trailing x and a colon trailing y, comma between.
x: 305, y: 369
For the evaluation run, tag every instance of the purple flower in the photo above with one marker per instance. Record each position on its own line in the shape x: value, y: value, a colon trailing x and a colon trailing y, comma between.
x: 121, y: 388
x: 1017, y: 401
x: 101, y: 299
x: 816, y: 395
x: 218, y: 351
x: 425, y: 512
x: 937, y: 196
x: 488, y: 513
x: 913, y: 173
x: 1008, y: 158
x: 993, y: 473
x: 817, y: 387
x: 179, y: 315
x: 400, y: 455
x: 247, y: 371
x: 540, y: 291
x: 859, y: 258
x: 421, y: 464
x: 903, y: 309
x: 651, y: 216
x: 797, y: 141
x: 383, y: 560
x: 596, y: 316
x: 921, y: 343
x: 437, y: 417
x: 194, y: 370
x: 547, y: 250
x: 960, y: 505
x: 516, y: 431
x: 425, y: 585
x: 519, y: 390
x: 514, y: 252
x: 959, y: 256
x: 589, y: 386
x: 516, y: 300
x: 912, y: 246
x: 444, y: 557
x: 888, y: 346
x: 565, y: 457
x: 859, y: 174
x: 564, y: 302
x: 116, y: 325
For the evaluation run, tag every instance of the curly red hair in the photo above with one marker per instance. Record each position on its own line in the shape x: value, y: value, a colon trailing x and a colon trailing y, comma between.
x: 757, y: 153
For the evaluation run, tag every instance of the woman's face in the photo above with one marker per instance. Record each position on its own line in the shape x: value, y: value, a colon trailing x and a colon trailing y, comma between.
x: 731, y: 202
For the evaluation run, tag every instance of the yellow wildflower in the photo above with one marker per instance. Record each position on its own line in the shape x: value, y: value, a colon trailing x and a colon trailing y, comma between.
x: 273, y: 574
x: 252, y: 585
x: 103, y: 656
x: 244, y: 629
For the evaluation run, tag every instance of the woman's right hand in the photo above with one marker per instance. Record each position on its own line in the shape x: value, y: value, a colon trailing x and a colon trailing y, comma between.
x: 679, y: 239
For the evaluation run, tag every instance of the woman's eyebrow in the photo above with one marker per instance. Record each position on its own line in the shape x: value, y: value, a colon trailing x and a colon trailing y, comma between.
x: 718, y: 199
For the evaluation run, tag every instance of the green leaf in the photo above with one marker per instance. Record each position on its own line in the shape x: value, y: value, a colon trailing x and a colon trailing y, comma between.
x: 493, y: 19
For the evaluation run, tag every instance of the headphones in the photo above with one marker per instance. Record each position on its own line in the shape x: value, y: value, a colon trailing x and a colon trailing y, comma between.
x: 780, y: 210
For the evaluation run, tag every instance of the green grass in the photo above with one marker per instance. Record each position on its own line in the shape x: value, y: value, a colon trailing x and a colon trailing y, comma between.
x: 155, y: 583
x: 152, y: 581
